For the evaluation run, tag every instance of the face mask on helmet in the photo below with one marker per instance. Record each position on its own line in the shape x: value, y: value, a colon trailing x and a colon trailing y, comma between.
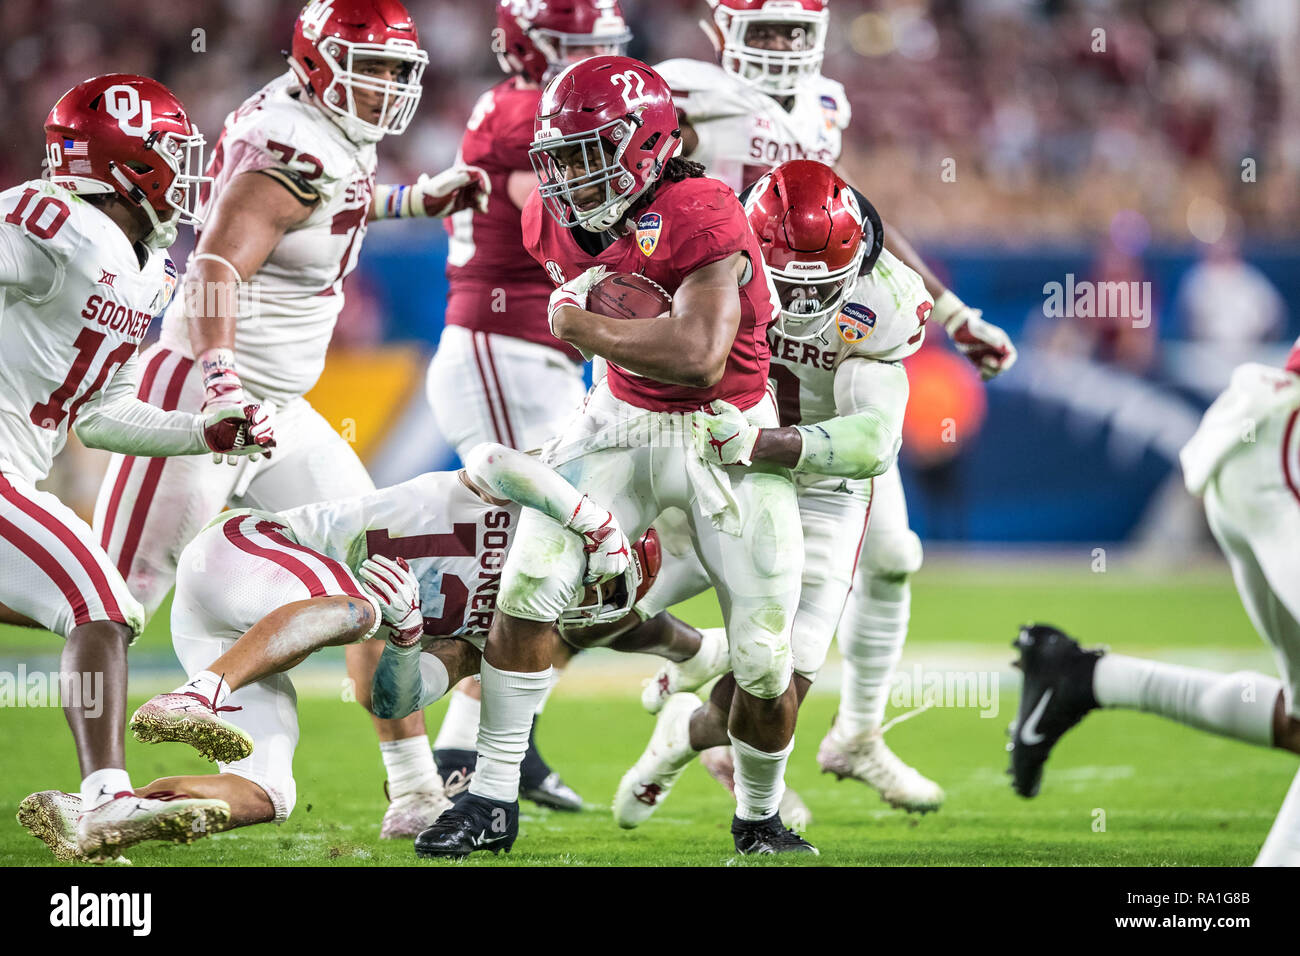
x: 564, y: 49
x: 583, y: 179
x: 773, y: 50
x: 812, y: 295
x: 375, y: 87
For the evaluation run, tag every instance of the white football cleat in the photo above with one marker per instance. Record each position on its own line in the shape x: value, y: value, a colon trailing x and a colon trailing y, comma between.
x: 412, y: 813
x: 711, y: 660
x: 646, y: 785
x: 866, y: 757
x: 190, y: 718
x: 720, y: 762
x: 51, y: 816
x: 127, y: 820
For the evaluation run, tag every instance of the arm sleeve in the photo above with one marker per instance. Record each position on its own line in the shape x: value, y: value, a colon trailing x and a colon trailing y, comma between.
x: 513, y: 476
x: 400, y: 688
x: 23, y: 265
x: 864, y: 439
x: 116, y: 420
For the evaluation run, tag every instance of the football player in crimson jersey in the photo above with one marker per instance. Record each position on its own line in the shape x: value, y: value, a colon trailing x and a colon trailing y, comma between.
x: 850, y: 313
x: 767, y: 102
x: 420, y: 561
x: 293, y: 190
x: 499, y: 375
x: 1244, y: 460
x: 82, y: 272
x: 613, y: 196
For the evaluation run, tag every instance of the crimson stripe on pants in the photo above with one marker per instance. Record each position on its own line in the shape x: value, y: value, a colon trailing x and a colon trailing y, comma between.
x: 501, y: 395
x: 487, y: 389
x: 70, y: 541
x: 342, y: 577
x: 287, y: 561
x: 53, y: 570
x: 128, y: 462
x: 152, y: 474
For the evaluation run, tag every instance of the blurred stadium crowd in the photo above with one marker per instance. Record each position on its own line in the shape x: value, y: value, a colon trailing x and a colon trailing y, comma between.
x: 1052, y: 127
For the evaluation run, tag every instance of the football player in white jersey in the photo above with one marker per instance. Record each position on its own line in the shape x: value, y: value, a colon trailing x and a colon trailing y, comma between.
x: 423, y: 558
x: 293, y: 189
x: 765, y: 104
x: 1244, y: 459
x: 82, y: 272
x: 850, y: 313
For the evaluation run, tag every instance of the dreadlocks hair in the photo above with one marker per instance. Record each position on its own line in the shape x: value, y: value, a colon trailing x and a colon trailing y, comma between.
x: 675, y: 170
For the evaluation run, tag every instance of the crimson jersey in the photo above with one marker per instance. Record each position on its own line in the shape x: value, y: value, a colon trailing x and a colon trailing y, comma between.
x: 483, y: 255
x: 688, y: 225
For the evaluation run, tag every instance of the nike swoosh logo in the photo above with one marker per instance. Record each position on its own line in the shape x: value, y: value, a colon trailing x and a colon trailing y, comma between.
x: 1029, y: 734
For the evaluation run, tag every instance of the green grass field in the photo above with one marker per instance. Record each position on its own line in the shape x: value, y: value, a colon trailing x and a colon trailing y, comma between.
x: 1168, y: 795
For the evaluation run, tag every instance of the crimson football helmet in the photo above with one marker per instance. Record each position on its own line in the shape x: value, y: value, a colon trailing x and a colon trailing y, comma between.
x: 816, y: 240
x: 737, y: 27
x: 129, y: 135
x: 611, y: 601
x: 536, y: 37
x: 611, y: 119
x: 332, y: 38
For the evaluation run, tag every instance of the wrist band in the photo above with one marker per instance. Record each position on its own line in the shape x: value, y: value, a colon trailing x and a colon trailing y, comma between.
x: 212, y: 256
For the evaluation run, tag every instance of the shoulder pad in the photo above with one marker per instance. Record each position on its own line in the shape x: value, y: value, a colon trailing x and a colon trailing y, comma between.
x: 706, y: 90
x: 888, y: 309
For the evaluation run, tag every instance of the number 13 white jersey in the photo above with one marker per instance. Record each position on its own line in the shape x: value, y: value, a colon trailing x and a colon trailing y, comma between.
x: 296, y: 297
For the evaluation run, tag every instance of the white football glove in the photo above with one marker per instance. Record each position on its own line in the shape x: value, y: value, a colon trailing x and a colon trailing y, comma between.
x: 722, y: 434
x: 574, y: 292
x: 235, y: 431
x: 450, y: 191
x: 607, y: 548
x: 392, y: 583
x: 985, y: 344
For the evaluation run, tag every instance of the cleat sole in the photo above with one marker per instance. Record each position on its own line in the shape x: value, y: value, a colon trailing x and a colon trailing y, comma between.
x: 223, y: 743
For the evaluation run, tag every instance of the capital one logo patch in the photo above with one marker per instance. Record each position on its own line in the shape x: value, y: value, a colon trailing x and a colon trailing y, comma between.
x: 856, y: 323
x: 648, y: 228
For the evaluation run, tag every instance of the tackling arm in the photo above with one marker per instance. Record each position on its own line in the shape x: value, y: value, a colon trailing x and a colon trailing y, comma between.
x: 689, y: 346
x: 442, y: 195
x: 861, y: 442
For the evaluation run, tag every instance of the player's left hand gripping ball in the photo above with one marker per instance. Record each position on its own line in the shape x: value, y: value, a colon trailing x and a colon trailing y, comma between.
x: 607, y: 548
x: 453, y: 190
x: 392, y: 583
x: 723, y: 435
x: 987, y: 346
x: 236, y: 431
x: 574, y: 293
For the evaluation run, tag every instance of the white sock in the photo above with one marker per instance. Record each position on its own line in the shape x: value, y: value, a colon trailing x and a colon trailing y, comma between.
x: 760, y: 779
x: 102, y: 785
x: 509, y: 703
x: 871, y: 635
x: 555, y: 679
x: 1236, y: 705
x: 459, y: 730
x: 210, y: 686
x: 1282, y: 847
x: 409, y: 763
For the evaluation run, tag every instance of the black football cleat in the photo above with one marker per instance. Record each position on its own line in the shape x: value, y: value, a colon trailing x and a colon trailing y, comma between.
x: 768, y: 836
x: 1057, y: 694
x: 456, y: 768
x: 542, y: 785
x: 474, y: 823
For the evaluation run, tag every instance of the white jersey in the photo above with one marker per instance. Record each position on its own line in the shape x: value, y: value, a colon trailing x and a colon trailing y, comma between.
x: 74, y: 304
x: 294, y: 300
x: 883, y: 320
x: 744, y: 132
x: 454, y: 541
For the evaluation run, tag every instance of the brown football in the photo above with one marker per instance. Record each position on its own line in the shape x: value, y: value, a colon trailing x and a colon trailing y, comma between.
x: 628, y: 296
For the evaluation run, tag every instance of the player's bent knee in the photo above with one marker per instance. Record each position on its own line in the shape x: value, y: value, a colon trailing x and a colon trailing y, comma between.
x: 543, y: 570
x: 762, y: 664
x: 893, y: 554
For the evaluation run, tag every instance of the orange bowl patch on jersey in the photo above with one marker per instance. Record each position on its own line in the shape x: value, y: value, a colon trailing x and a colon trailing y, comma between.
x: 648, y: 228
x: 856, y: 323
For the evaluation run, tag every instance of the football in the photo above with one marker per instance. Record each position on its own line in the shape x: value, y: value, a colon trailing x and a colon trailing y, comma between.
x: 628, y: 296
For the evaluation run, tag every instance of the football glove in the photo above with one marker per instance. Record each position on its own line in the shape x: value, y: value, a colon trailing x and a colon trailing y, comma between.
x: 608, y: 551
x: 985, y: 344
x: 574, y: 293
x: 233, y: 432
x: 722, y: 434
x: 450, y: 191
x: 392, y: 583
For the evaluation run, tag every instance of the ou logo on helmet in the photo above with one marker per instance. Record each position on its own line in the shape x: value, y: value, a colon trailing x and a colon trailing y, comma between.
x: 527, y: 9
x: 124, y: 104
